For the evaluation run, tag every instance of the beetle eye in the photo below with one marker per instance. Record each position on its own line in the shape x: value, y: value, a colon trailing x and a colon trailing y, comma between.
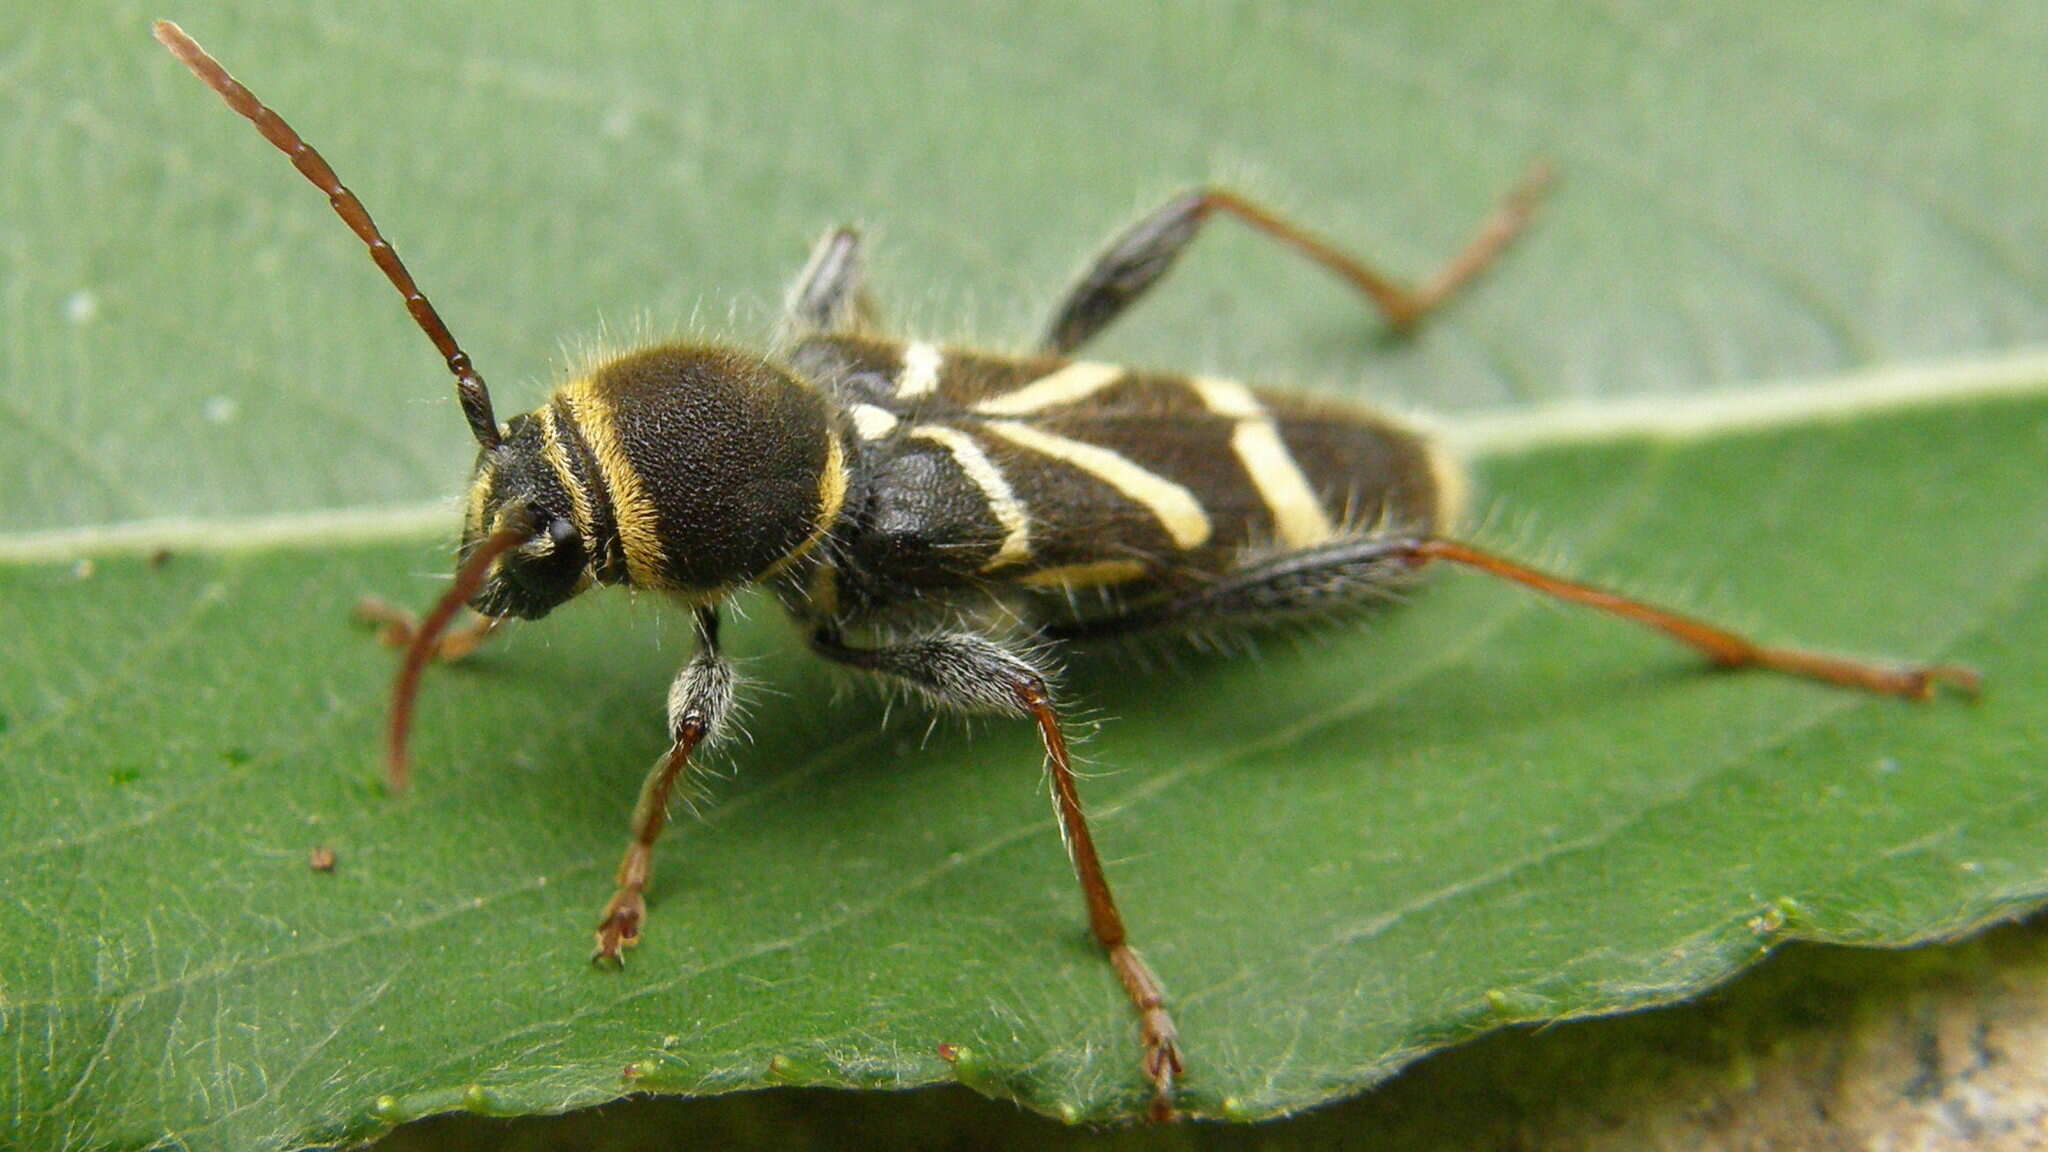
x: 561, y: 531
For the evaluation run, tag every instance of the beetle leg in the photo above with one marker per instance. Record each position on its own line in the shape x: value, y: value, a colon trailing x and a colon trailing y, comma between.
x: 1722, y: 647
x: 396, y: 628
x: 971, y: 673
x: 830, y: 294
x: 1142, y: 254
x: 699, y: 702
x: 1355, y: 574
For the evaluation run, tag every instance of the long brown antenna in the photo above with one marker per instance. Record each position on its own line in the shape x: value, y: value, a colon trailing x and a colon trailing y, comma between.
x: 469, y: 386
x: 406, y: 688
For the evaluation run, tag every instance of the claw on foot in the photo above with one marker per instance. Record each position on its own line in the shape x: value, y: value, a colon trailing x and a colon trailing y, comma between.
x: 619, y: 930
x: 1162, y: 1064
x: 1161, y: 1111
x: 1959, y: 677
x: 1915, y: 682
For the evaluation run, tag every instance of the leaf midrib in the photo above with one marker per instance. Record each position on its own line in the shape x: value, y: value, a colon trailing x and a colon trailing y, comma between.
x: 1479, y: 435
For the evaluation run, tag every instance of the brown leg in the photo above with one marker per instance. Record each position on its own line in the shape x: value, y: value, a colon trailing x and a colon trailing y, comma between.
x: 620, y: 926
x: 1361, y: 573
x: 967, y: 672
x: 396, y: 628
x: 1141, y: 256
x: 1726, y: 649
x: 1155, y: 1027
x: 698, y: 703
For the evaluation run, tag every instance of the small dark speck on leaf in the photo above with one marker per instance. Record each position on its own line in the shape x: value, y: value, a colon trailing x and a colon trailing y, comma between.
x: 321, y: 859
x: 124, y: 776
x: 236, y: 756
x: 160, y: 557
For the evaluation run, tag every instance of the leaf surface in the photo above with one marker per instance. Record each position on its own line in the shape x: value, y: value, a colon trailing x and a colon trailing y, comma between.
x: 1339, y: 851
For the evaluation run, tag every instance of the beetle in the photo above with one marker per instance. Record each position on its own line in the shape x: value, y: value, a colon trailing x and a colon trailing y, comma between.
x: 938, y: 516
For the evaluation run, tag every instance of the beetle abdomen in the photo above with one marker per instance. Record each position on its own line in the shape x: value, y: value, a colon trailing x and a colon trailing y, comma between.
x: 1056, y: 473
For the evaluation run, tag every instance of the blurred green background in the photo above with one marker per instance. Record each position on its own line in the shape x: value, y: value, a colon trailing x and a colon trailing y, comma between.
x: 1747, y: 194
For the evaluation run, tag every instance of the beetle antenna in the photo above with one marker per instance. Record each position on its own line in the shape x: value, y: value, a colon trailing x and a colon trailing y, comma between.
x: 469, y: 386
x: 406, y: 689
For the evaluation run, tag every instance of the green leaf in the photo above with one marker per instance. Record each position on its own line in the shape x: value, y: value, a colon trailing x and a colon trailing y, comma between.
x: 1340, y: 853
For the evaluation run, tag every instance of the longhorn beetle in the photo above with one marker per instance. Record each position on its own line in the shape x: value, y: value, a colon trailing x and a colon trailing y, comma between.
x: 886, y: 492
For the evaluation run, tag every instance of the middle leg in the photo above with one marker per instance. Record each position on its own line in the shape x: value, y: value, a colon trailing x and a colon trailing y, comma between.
x: 966, y: 672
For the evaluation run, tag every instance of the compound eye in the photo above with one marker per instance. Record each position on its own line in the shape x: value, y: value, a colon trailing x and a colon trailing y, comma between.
x: 561, y: 531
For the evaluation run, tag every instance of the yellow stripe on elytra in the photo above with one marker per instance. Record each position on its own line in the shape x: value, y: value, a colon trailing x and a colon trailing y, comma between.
x: 995, y: 488
x: 1076, y: 381
x: 920, y: 375
x: 1099, y: 574
x: 1176, y: 507
x: 872, y: 422
x: 1448, y: 476
x: 1228, y: 398
x: 1299, y: 518
x: 632, y: 510
x: 558, y: 459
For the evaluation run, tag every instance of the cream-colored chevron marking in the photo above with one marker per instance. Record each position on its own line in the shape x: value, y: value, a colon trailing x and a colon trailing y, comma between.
x: 1299, y: 519
x: 871, y: 422
x: 995, y: 488
x: 1076, y: 381
x: 1176, y: 507
x: 920, y: 375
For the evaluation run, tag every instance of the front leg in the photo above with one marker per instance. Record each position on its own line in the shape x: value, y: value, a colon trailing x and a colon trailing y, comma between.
x: 966, y: 672
x: 699, y: 702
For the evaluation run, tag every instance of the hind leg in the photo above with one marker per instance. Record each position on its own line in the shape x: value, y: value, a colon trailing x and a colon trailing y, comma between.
x: 1140, y: 257
x: 1353, y: 573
